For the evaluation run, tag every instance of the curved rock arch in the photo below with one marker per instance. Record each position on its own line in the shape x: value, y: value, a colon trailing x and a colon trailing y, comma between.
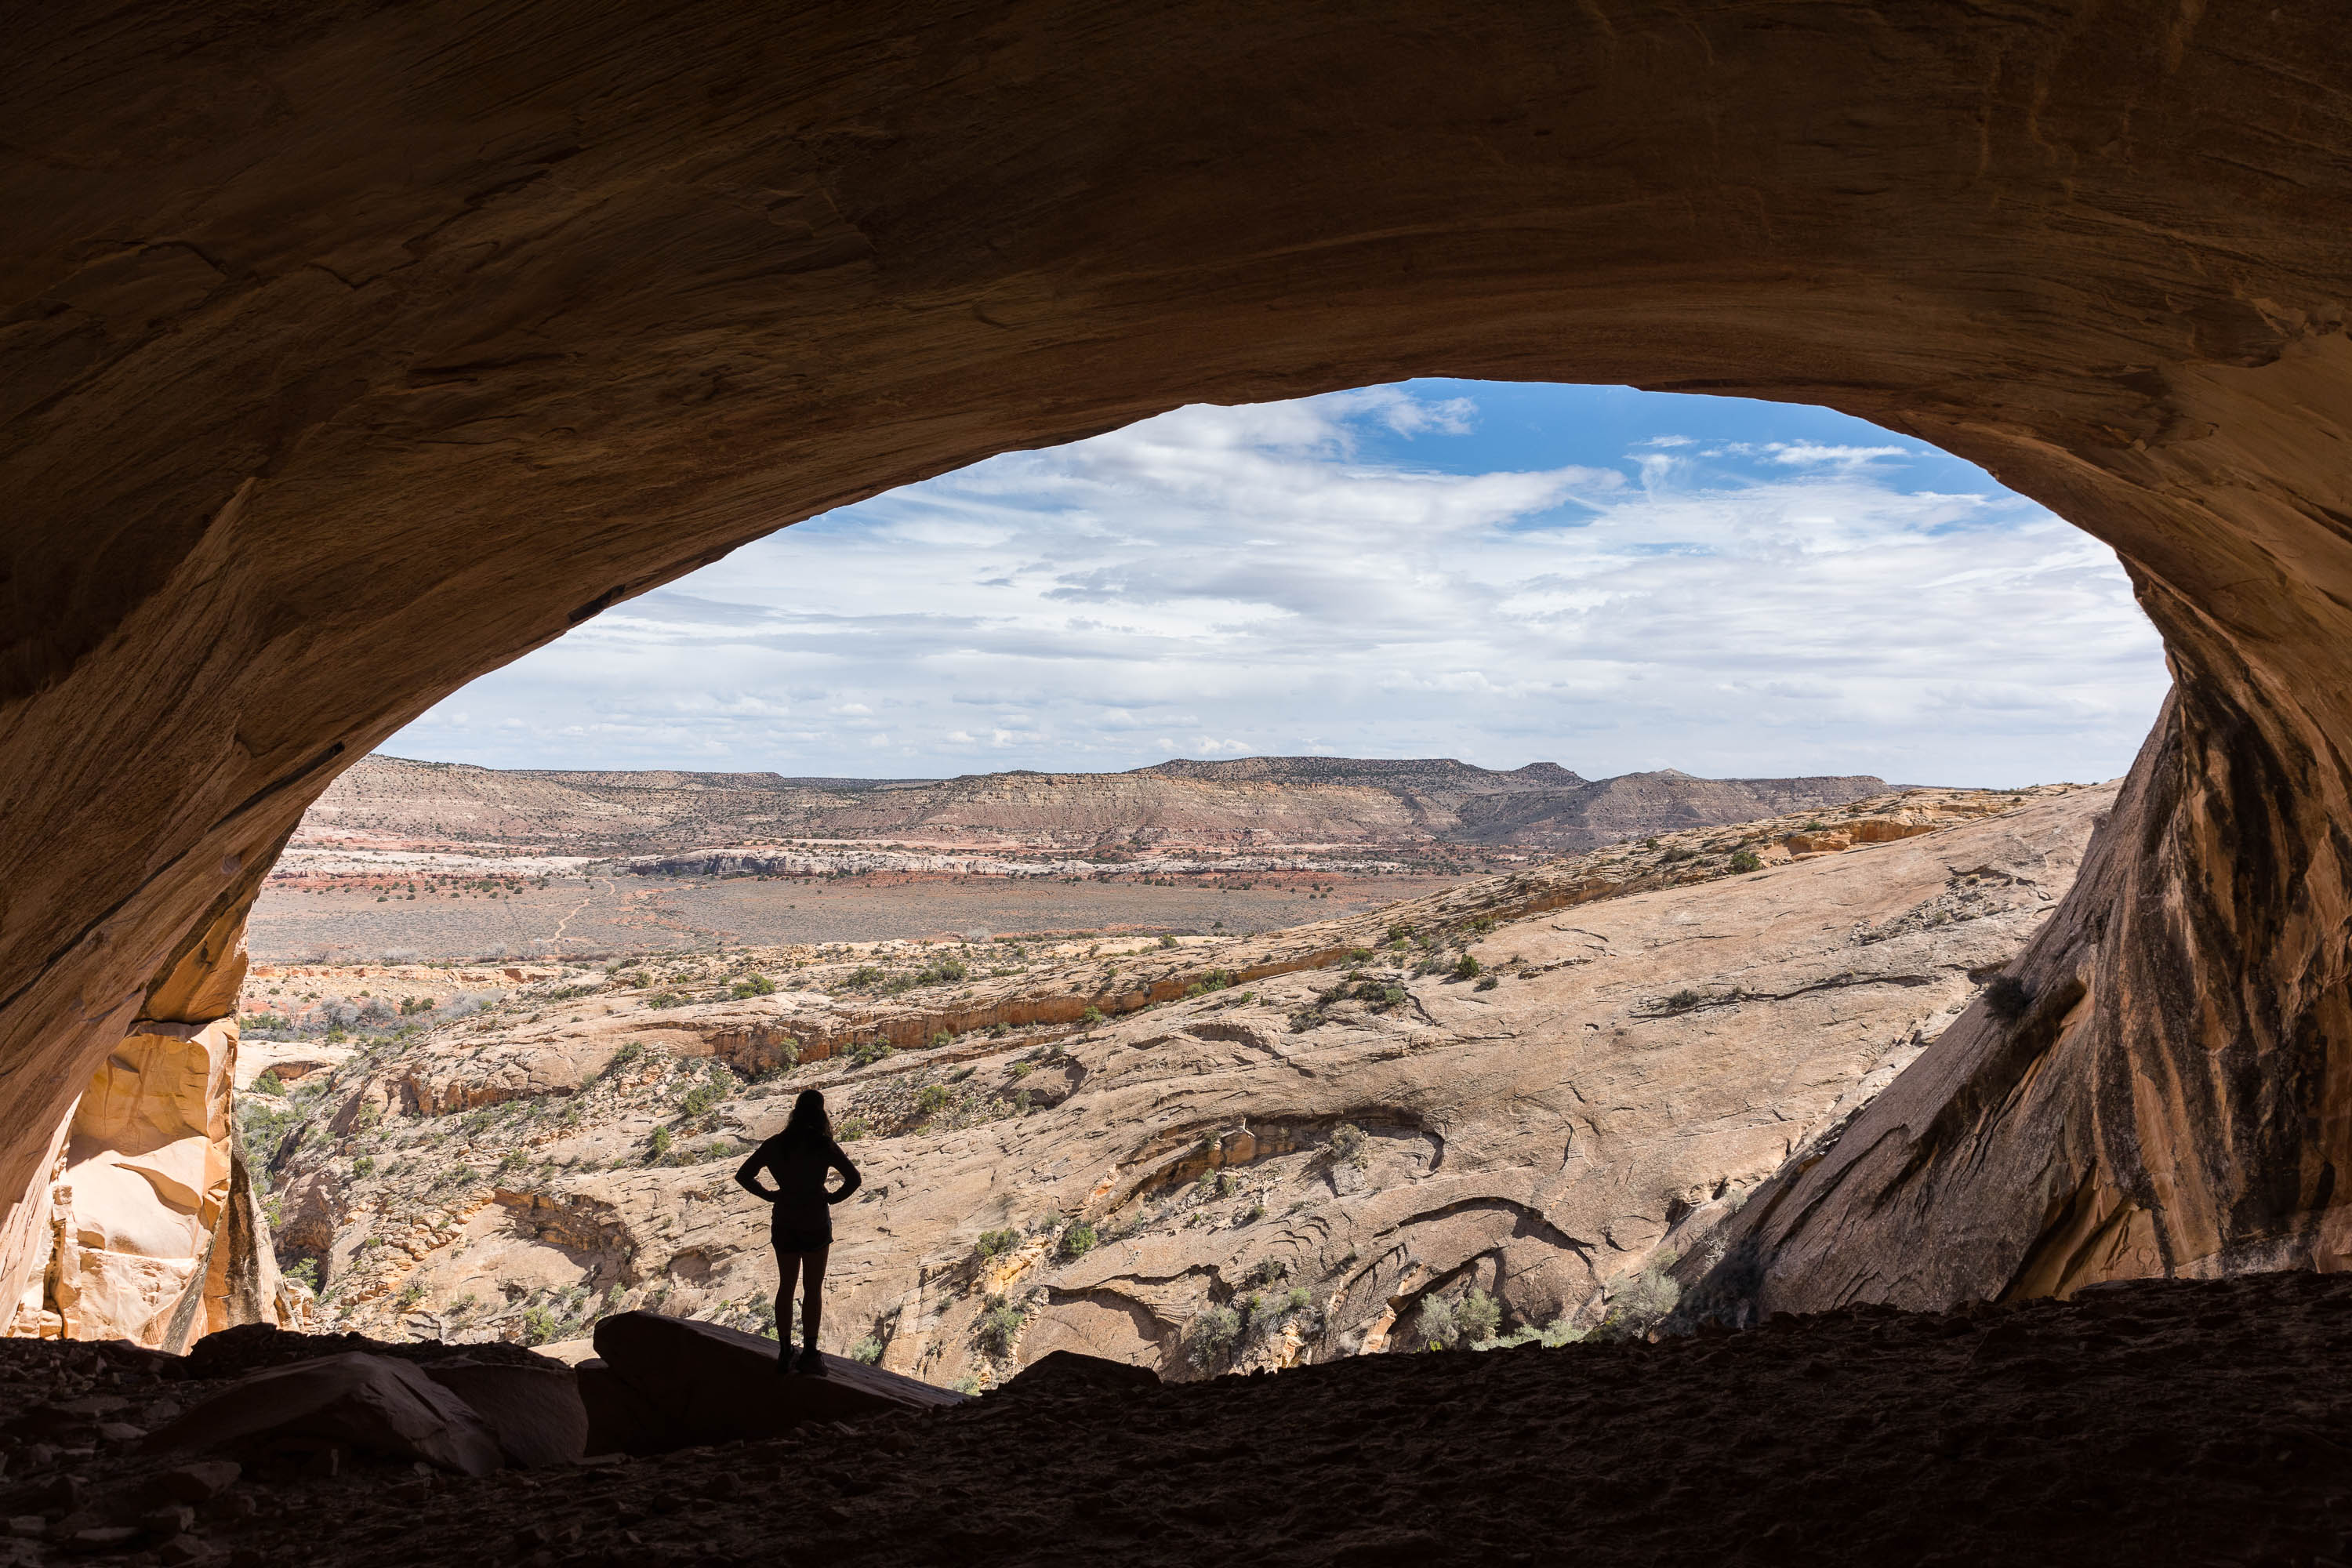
x: 352, y: 353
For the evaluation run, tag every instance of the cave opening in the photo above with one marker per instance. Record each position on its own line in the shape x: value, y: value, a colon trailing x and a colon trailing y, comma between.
x: 1645, y: 585
x: 352, y: 359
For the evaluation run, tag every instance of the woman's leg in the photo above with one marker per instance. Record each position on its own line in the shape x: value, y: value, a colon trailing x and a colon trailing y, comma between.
x: 812, y: 1297
x: 787, y: 1265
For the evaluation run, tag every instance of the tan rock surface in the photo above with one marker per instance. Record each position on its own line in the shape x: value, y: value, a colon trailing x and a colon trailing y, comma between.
x: 1643, y: 1061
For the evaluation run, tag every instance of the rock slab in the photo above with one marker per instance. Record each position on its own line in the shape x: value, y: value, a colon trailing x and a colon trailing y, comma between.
x: 711, y: 1385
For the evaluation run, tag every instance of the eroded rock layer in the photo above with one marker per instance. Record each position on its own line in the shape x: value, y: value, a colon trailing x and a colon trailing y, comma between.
x: 349, y: 354
x: 1504, y: 1110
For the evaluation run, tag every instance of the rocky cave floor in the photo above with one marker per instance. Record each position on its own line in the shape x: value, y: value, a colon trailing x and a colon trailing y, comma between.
x: 2161, y: 1422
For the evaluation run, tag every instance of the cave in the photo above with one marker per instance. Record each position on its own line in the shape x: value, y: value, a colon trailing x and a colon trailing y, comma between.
x: 354, y: 352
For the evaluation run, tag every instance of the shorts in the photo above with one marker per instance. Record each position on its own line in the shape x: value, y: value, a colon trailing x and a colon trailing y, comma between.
x: 799, y: 1233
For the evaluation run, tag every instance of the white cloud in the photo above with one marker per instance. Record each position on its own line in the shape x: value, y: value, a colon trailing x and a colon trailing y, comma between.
x: 1275, y: 579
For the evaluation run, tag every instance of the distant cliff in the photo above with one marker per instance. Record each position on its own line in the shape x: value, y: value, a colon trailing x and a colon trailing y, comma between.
x: 1404, y: 805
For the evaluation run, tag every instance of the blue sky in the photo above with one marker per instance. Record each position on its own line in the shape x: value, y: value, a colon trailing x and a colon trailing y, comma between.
x: 1609, y: 579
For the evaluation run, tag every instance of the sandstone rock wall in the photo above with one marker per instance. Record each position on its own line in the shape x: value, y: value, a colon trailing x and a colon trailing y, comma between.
x: 147, y: 1226
x: 344, y: 366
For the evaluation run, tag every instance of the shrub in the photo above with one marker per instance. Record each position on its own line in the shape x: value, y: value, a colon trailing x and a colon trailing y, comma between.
x: 1076, y: 1241
x: 1213, y: 1334
x: 1355, y: 956
x: 1684, y: 1000
x: 852, y: 1130
x: 864, y: 975
x: 1227, y: 1184
x: 665, y: 999
x: 1000, y: 1325
x: 658, y: 1145
x: 1267, y: 1271
x: 702, y: 1096
x: 866, y: 1053
x: 1091, y: 1017
x: 752, y: 986
x: 1347, y: 1145
x: 269, y: 1082
x: 1677, y: 855
x: 995, y: 1242
x: 931, y: 1098
x: 941, y: 1038
x: 306, y: 1272
x: 1467, y: 967
x: 867, y: 1349
x: 1167, y: 942
x: 1477, y: 1315
x: 2007, y: 998
x: 1746, y: 859
x: 1487, y: 982
x: 364, y: 1166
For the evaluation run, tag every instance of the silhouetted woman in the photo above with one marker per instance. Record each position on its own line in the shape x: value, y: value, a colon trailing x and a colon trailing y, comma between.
x: 801, y: 1226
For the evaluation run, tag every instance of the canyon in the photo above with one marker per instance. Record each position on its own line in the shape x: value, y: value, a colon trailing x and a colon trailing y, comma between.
x: 1524, y: 1107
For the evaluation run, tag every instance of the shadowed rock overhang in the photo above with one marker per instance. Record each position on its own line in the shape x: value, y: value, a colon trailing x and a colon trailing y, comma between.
x: 352, y: 353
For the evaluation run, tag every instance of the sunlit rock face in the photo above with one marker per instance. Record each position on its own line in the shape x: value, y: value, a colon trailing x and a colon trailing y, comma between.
x: 346, y: 361
x: 146, y: 1227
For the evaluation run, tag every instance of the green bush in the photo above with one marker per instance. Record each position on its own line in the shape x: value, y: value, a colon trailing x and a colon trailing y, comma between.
x: 995, y: 1242
x: 867, y: 1349
x: 1347, y: 1145
x: 658, y: 1145
x: 1488, y: 983
x: 1076, y: 1241
x: 364, y: 1166
x: 1167, y: 942
x: 852, y: 1130
x: 1467, y: 967
x: 665, y: 999
x: 1477, y: 1315
x: 1684, y: 1000
x: 1267, y: 1271
x: 752, y: 986
x: 268, y: 1083
x: 1000, y: 1325
x: 1744, y: 859
x: 1091, y: 1017
x: 1213, y: 1334
x: 866, y: 1053
x: 931, y: 1098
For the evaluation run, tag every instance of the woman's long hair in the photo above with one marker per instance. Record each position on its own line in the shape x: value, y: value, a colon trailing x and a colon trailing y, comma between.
x: 808, y: 1122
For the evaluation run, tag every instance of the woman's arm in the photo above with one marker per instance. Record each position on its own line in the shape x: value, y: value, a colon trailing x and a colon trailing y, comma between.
x: 850, y: 1179
x: 747, y: 1175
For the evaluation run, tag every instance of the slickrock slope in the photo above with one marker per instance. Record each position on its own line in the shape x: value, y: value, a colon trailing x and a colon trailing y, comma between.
x: 1319, y: 802
x: 1508, y: 1108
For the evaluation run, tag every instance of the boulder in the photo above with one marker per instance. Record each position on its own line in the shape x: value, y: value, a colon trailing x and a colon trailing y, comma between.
x: 710, y: 1383
x: 620, y: 1419
x: 1072, y: 1371
x: 536, y: 1413
x: 369, y: 1404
